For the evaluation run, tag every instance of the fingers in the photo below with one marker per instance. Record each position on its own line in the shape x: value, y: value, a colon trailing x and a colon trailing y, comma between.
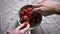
x: 20, y: 26
x: 36, y: 6
x: 28, y: 32
x: 35, y: 9
x: 42, y: 8
x: 26, y: 28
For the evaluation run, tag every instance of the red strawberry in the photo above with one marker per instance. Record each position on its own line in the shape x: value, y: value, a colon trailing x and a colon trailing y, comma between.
x: 31, y: 17
x: 28, y: 20
x: 29, y: 9
x: 25, y: 11
x: 25, y: 17
x: 29, y: 14
x: 22, y: 13
x: 25, y: 24
x: 21, y: 19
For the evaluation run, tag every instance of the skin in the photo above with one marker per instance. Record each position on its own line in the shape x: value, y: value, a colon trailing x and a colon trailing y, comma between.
x: 23, y: 31
x: 47, y: 7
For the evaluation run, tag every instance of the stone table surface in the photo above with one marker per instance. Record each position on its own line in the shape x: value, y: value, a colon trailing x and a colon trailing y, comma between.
x: 9, y: 16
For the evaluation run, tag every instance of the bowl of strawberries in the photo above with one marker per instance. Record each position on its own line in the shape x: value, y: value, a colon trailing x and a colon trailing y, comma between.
x: 26, y: 14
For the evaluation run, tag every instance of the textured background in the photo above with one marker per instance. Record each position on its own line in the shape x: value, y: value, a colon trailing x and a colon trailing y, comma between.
x: 9, y: 15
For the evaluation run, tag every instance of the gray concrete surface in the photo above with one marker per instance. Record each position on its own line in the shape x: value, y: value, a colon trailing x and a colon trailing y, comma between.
x: 9, y: 16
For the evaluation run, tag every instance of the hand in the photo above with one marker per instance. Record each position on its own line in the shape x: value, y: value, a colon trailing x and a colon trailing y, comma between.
x: 46, y: 7
x: 23, y: 31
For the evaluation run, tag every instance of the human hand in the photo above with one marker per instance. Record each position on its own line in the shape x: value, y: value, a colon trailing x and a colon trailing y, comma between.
x: 22, y: 31
x: 45, y: 8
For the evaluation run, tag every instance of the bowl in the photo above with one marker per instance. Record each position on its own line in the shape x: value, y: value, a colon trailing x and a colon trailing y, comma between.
x: 37, y: 24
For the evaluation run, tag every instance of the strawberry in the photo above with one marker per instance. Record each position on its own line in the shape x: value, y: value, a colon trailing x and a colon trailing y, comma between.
x: 25, y: 24
x: 28, y: 20
x: 29, y: 9
x: 25, y: 11
x: 22, y: 13
x: 21, y: 19
x: 29, y: 14
x: 25, y: 17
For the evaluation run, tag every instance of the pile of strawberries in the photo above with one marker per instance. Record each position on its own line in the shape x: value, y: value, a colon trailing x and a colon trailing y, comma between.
x: 26, y: 15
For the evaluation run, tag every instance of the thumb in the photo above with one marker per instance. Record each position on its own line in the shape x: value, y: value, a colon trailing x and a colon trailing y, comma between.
x: 20, y: 26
